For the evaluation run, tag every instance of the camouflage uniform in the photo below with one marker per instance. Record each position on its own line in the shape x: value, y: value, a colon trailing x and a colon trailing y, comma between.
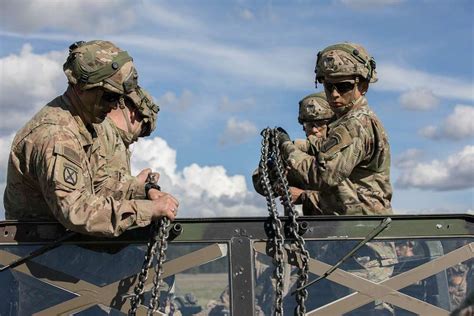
x: 312, y: 108
x: 50, y: 176
x: 112, y: 164
x: 351, y: 169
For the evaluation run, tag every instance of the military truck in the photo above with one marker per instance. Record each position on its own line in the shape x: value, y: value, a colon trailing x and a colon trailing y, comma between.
x: 224, y: 266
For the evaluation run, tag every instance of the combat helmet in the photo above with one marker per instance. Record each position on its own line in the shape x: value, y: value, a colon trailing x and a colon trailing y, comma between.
x: 345, y: 59
x: 143, y: 101
x: 100, y: 64
x: 314, y: 107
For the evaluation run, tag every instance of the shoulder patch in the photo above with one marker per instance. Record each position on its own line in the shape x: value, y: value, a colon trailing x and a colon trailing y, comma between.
x: 70, y: 174
x: 338, y: 139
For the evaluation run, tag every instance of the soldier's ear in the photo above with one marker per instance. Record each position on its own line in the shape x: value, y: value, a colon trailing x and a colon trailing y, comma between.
x: 363, y: 87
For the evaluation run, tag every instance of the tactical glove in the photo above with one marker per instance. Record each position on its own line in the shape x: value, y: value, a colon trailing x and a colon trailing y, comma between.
x: 283, y: 136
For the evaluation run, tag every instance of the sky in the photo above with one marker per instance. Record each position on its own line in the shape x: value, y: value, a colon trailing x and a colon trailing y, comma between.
x: 222, y: 71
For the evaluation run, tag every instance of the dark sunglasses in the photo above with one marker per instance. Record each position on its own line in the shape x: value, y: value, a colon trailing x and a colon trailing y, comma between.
x: 317, y: 124
x: 111, y: 97
x: 341, y: 87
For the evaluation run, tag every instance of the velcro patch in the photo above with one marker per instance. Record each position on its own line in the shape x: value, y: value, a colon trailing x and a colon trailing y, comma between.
x: 338, y: 139
x: 68, y: 153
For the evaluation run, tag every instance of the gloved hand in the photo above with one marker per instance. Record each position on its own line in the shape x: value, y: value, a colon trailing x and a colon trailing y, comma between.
x: 283, y: 136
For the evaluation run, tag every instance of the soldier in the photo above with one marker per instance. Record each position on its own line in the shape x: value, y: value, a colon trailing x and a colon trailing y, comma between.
x: 50, y: 176
x: 315, y: 115
x: 134, y: 117
x: 351, y: 170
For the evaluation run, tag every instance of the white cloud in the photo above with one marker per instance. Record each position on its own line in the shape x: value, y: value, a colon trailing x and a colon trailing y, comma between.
x: 88, y: 16
x: 408, y: 158
x: 246, y: 14
x: 171, y: 101
x: 368, y: 4
x: 203, y: 191
x: 28, y: 82
x: 397, y: 78
x: 236, y: 106
x: 419, y: 99
x: 161, y: 15
x: 458, y: 125
x: 455, y: 173
x: 5, y: 144
x: 237, y: 132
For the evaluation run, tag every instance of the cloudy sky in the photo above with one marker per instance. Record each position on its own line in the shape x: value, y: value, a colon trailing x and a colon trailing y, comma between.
x: 223, y: 70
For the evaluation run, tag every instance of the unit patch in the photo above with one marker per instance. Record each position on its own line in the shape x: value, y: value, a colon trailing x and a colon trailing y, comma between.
x: 70, y: 175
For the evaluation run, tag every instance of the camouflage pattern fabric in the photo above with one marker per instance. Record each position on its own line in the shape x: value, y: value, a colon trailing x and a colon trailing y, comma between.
x: 314, y: 107
x: 111, y: 164
x: 50, y: 176
x: 352, y: 167
x: 100, y: 64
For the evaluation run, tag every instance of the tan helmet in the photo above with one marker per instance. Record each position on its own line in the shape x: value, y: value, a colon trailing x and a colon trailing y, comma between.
x: 345, y: 59
x: 143, y: 101
x: 100, y: 64
x: 314, y: 107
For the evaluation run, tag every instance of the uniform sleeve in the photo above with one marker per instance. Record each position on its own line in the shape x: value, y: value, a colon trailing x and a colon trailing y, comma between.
x: 337, y: 157
x: 310, y: 201
x: 62, y: 170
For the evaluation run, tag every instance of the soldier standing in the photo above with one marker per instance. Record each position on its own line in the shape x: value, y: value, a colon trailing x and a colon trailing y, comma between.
x: 314, y: 115
x: 50, y: 176
x: 351, y: 170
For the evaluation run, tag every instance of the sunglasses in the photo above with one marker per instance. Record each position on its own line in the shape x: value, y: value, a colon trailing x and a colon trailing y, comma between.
x: 111, y: 97
x: 315, y: 124
x: 341, y: 87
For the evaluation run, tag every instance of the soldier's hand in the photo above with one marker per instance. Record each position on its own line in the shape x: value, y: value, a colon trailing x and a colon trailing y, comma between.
x: 143, y: 175
x: 295, y: 194
x: 165, y: 205
x: 283, y: 136
x: 154, y: 194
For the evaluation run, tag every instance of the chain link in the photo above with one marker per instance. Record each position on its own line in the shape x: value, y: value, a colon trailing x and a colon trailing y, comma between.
x: 299, y: 241
x: 143, y: 275
x: 156, y: 247
x: 163, y: 234
x: 278, y: 238
x: 271, y: 152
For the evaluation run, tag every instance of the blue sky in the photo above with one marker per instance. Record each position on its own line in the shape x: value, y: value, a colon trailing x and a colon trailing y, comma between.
x: 223, y: 70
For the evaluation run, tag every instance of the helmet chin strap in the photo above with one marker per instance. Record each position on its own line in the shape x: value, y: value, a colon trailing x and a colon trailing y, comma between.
x: 130, y: 135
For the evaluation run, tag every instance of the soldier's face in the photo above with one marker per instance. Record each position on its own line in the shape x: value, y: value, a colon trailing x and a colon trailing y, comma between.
x: 316, y: 128
x: 108, y: 102
x: 341, y: 92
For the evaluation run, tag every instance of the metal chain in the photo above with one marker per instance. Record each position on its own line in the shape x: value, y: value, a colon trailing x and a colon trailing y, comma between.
x: 143, y: 275
x: 278, y: 238
x: 156, y: 247
x: 301, y: 295
x: 163, y: 233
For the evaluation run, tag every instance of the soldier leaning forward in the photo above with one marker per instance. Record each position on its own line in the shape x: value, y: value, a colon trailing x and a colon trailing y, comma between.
x: 50, y: 176
x: 134, y: 117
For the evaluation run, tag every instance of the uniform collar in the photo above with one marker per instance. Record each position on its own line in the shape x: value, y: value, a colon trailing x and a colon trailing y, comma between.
x: 85, y: 136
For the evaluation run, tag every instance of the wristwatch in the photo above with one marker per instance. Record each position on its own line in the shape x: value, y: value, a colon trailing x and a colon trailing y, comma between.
x: 151, y: 185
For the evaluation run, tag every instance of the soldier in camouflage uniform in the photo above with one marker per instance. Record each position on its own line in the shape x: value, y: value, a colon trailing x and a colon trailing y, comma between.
x: 134, y: 117
x: 351, y: 170
x: 50, y: 176
x: 315, y: 115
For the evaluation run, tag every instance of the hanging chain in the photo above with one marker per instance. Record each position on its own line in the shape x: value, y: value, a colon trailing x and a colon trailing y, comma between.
x: 301, y: 295
x: 271, y: 152
x: 277, y: 226
x: 156, y: 247
x: 143, y: 275
x: 163, y: 234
